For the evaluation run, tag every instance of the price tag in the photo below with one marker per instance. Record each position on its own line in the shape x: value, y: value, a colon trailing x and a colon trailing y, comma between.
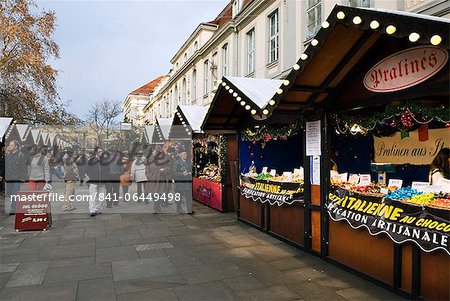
x: 343, y: 177
x: 419, y: 185
x: 354, y: 179
x: 334, y: 175
x: 264, y: 170
x: 395, y: 183
x: 364, y: 179
x: 273, y: 172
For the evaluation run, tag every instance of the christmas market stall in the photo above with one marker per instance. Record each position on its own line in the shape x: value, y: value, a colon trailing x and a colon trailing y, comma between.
x: 269, y: 179
x: 161, y: 130
x: 211, y: 181
x: 379, y: 81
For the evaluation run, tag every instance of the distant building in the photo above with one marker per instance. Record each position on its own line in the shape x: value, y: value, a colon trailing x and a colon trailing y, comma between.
x: 136, y: 101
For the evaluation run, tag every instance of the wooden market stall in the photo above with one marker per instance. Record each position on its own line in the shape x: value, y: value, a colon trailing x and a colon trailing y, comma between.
x: 211, y: 181
x: 268, y: 178
x: 378, y: 83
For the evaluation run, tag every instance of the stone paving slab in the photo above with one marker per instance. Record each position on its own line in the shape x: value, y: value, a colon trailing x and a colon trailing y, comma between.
x: 206, y: 256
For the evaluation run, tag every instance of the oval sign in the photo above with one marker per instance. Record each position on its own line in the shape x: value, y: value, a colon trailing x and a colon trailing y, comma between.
x: 405, y: 69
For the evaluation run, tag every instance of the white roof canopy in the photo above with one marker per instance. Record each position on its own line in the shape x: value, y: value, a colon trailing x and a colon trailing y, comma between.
x: 4, y: 124
x: 194, y: 116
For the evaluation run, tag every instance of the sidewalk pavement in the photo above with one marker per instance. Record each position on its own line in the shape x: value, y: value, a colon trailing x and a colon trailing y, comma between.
x: 124, y: 256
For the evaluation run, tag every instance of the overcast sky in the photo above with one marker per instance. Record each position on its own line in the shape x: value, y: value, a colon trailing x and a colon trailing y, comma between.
x: 109, y: 48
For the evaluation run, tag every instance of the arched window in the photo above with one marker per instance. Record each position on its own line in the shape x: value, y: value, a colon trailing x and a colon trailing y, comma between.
x: 195, y: 46
x: 183, y: 92
x: 194, y: 87
x: 206, y: 77
x: 175, y: 96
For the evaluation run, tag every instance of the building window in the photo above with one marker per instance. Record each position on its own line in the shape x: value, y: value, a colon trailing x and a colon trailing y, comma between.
x: 175, y: 96
x: 206, y: 77
x: 185, y: 57
x: 274, y: 31
x: 251, y: 51
x: 195, y: 46
x: 237, y: 6
x: 314, y: 13
x: 183, y: 92
x: 359, y: 3
x: 194, y: 85
x: 225, y: 60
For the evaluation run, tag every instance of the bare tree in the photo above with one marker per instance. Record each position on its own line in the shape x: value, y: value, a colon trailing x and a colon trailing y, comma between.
x: 103, y: 118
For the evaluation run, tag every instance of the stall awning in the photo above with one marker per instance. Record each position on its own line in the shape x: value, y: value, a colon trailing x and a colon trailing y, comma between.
x: 350, y: 42
x: 194, y: 116
x: 237, y: 99
x: 161, y: 130
x: 4, y: 125
x: 148, y: 133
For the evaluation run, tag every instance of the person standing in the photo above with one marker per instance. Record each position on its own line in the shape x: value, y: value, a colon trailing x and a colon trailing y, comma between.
x: 81, y: 162
x: 155, y: 179
x: 183, y: 182
x: 71, y: 176
x: 125, y: 178
x: 15, y: 172
x: 113, y: 185
x: 138, y: 173
x: 38, y: 169
x: 96, y: 182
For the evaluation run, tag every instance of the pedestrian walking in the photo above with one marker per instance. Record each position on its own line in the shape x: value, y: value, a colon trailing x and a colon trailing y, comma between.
x: 38, y: 169
x: 125, y: 178
x: 138, y: 173
x: 155, y: 178
x: 71, y: 176
x: 96, y: 182
x: 15, y: 171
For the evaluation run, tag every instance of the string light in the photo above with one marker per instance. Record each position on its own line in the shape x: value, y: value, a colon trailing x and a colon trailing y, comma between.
x: 227, y: 87
x: 357, y: 20
x: 279, y: 91
x: 304, y: 56
x: 247, y: 107
x: 238, y: 98
x: 325, y: 24
x: 224, y: 84
x: 374, y: 24
x: 242, y: 103
x: 435, y: 40
x: 391, y: 29
x: 253, y: 112
x: 271, y: 102
x: 235, y: 94
x: 314, y: 42
x: 414, y: 37
x: 231, y: 91
x: 265, y: 111
x: 296, y: 67
x: 286, y: 82
x: 340, y: 15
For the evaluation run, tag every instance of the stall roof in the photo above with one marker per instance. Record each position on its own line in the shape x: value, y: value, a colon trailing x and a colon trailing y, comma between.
x: 237, y: 98
x: 148, y: 132
x: 164, y: 125
x: 24, y: 130
x: 346, y: 46
x: 4, y: 124
x: 194, y: 115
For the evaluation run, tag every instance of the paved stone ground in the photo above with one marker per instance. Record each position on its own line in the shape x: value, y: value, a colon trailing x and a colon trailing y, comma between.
x: 125, y: 256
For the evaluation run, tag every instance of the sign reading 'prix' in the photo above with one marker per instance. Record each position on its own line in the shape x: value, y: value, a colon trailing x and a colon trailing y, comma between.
x: 405, y: 69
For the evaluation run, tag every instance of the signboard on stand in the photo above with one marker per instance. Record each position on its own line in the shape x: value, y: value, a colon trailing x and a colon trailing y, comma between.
x: 33, y: 211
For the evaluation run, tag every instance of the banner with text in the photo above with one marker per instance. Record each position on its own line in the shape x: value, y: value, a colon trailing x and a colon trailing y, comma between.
x: 428, y: 227
x: 278, y: 193
x: 411, y: 149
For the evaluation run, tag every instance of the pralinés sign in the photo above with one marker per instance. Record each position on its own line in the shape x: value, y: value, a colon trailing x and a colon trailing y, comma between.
x: 405, y: 69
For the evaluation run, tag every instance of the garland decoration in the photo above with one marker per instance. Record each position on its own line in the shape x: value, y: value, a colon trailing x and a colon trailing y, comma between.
x: 223, y: 157
x: 266, y: 134
x: 406, y: 117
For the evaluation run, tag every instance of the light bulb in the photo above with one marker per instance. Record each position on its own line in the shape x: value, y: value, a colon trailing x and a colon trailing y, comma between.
x: 374, y: 24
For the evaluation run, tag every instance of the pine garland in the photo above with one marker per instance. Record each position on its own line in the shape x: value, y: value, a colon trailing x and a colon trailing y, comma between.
x: 223, y: 158
x: 405, y: 117
x: 266, y: 134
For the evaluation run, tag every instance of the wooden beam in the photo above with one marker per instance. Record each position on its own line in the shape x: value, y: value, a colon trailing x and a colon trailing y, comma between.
x: 320, y: 89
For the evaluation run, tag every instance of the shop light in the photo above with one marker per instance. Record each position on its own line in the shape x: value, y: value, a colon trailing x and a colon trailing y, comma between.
x: 340, y: 15
x: 314, y: 42
x: 296, y: 67
x: 183, y: 122
x: 234, y: 94
x: 391, y: 29
x: 265, y: 111
x: 325, y: 24
x: 356, y: 129
x: 247, y: 107
x: 414, y: 37
x: 286, y: 82
x: 253, y: 112
x: 227, y: 87
x: 436, y: 40
x: 242, y: 103
x: 357, y: 20
x: 374, y: 24
x: 279, y: 91
x: 231, y: 91
x: 272, y: 102
x: 224, y: 84
x: 238, y: 98
x: 304, y: 56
